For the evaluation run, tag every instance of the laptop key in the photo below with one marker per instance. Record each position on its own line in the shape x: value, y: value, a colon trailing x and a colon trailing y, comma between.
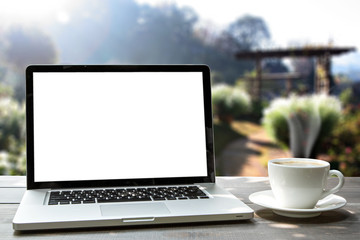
x: 126, y: 195
x: 170, y: 198
x: 144, y: 198
x: 193, y: 197
x: 158, y: 198
x: 53, y: 202
x: 182, y: 198
x: 137, y: 199
x: 89, y: 201
x: 107, y: 200
x: 123, y: 199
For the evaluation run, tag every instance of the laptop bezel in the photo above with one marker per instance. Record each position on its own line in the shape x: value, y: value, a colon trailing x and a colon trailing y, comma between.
x: 210, y: 178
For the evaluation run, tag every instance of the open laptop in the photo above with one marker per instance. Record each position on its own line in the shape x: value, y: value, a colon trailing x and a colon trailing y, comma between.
x: 121, y: 145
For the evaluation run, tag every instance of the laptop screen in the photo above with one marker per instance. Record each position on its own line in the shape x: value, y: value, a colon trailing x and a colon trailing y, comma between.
x: 117, y: 125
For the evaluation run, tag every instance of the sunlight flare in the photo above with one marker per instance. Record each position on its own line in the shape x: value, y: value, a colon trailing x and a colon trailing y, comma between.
x: 39, y: 11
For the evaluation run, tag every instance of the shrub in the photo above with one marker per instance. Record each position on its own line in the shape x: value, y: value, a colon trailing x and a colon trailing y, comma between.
x: 343, y: 145
x: 230, y: 102
x: 302, y: 122
x: 12, y: 137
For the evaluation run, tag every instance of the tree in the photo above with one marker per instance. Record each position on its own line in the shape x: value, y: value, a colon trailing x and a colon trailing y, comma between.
x: 165, y: 35
x: 248, y: 33
x: 22, y: 47
x: 12, y: 135
x: 28, y: 46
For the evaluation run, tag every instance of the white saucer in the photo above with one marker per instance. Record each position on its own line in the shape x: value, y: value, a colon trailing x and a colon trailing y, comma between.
x: 266, y: 199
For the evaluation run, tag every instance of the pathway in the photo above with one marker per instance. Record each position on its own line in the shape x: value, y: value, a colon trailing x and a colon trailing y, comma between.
x: 248, y: 157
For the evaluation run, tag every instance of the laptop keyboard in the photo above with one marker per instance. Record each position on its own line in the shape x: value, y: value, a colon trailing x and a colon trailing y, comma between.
x: 126, y: 195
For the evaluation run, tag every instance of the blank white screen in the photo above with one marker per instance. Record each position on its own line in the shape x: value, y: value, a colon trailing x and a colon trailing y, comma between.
x: 118, y: 125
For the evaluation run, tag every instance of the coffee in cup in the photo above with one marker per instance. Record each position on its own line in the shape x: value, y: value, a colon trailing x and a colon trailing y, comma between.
x: 300, y: 182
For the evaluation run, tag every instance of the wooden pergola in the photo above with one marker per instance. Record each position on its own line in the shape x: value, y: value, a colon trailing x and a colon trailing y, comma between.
x: 323, y: 64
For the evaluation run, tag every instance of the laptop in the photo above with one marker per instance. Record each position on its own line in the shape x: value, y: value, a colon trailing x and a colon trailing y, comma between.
x: 121, y: 145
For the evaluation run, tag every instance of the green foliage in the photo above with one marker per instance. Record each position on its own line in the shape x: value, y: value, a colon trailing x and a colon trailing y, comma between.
x: 230, y: 101
x: 330, y: 109
x: 12, y: 137
x: 343, y: 145
x: 275, y: 121
x: 5, y: 91
x: 257, y: 108
x: 345, y: 96
x: 348, y: 98
x: 306, y: 109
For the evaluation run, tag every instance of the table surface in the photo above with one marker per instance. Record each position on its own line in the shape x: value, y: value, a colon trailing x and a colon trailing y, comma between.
x: 342, y: 223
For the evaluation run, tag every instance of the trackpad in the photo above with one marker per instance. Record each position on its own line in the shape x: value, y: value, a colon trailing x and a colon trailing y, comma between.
x: 134, y: 209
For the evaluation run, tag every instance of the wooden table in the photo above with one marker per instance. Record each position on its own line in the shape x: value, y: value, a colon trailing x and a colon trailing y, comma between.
x: 342, y: 223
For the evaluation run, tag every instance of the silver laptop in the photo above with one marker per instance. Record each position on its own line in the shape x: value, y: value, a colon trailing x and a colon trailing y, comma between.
x: 119, y: 146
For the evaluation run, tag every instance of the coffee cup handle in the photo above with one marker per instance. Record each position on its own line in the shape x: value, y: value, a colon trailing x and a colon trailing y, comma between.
x: 338, y: 187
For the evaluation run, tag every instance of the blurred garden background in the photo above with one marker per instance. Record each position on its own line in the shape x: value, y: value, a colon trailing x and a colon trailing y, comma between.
x: 265, y: 106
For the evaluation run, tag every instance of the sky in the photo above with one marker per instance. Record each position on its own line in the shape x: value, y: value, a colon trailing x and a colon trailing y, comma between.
x: 305, y: 21
x: 291, y: 23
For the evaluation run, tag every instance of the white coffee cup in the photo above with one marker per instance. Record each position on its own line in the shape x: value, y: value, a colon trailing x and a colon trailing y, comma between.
x: 300, y: 182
